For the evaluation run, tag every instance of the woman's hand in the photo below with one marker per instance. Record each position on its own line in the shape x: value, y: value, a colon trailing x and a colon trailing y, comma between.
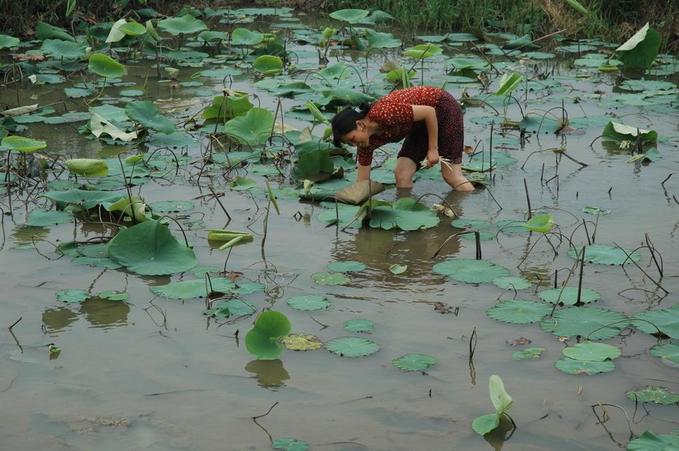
x: 432, y: 157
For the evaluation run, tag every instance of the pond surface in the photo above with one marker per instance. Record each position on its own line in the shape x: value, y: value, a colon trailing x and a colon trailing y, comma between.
x: 156, y: 374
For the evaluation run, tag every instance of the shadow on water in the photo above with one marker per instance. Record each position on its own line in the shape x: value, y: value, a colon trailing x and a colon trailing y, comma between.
x: 269, y: 373
x: 98, y: 313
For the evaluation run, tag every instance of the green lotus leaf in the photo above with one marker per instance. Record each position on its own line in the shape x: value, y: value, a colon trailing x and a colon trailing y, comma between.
x: 508, y: 83
x: 606, y: 255
x: 359, y: 325
x: 88, y: 167
x: 345, y: 266
x: 290, y: 444
x: 45, y: 31
x: 330, y: 278
x: 262, y: 339
x: 669, y: 353
x: 213, y: 36
x: 186, y: 24
x: 377, y: 40
x: 150, y: 249
x: 470, y: 271
x: 243, y: 36
x: 568, y: 295
x: 461, y: 37
x: 538, y: 55
x: 195, y: 288
x: 83, y: 198
x: 540, y: 223
x: 460, y: 63
x: 313, y: 161
x: 73, y: 116
x: 352, y: 346
x: 122, y: 28
x: 398, y: 269
x: 243, y: 184
x: 105, y: 66
x: 405, y: 214
x: 519, y: 311
x: 528, y: 353
x: 342, y: 217
x: 667, y: 320
x: 590, y: 210
x: 133, y: 207
x: 252, y: 129
x: 60, y: 49
x: 498, y: 395
x: 337, y: 71
x: 591, y: 352
x: 22, y: 144
x: 485, y: 423
x: 72, y: 296
x: 589, y: 322
x: 230, y: 308
x: 147, y: 114
x: 46, y: 218
x: 309, y: 303
x: 227, y: 107
x: 268, y: 65
x: 614, y: 131
x: 423, y: 51
x: 7, y: 42
x: 579, y: 367
x: 346, y: 96
x: 648, y: 441
x: 414, y: 362
x: 657, y: 395
x: 512, y: 283
x: 133, y: 28
x: 351, y: 16
x: 519, y: 42
x: 172, y: 206
x: 114, y: 296
x: 639, y: 51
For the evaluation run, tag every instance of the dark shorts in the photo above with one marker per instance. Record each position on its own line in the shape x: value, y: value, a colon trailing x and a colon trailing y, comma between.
x: 451, y: 134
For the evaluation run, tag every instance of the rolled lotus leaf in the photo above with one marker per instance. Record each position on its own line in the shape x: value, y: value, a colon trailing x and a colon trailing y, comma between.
x: 359, y: 192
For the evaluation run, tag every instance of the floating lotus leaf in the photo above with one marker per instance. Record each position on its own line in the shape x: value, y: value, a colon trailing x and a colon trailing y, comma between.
x: 667, y: 320
x: 242, y: 184
x: 589, y: 322
x: 345, y: 95
x: 150, y: 249
x: 359, y: 325
x: 243, y: 36
x: 377, y: 40
x: 7, y: 42
x: 617, y: 132
x: 309, y: 302
x: 470, y: 271
x: 88, y: 167
x: 398, y: 269
x: 72, y: 296
x: 540, y: 223
x: 252, y: 129
x: 569, y: 295
x: 350, y: 15
x: 342, y: 217
x: 405, y: 214
x: 263, y: 339
x: 669, y: 353
x: 231, y: 308
x: 595, y: 211
x: 290, y: 444
x: 330, y: 278
x: 59, y: 49
x: 197, y: 288
x: 212, y: 36
x: 639, y: 51
x: 244, y: 288
x: 300, y: 342
x: 186, y: 24
x: 423, y: 51
x: 508, y: 83
x: 538, y: 55
x: 512, y: 283
x: 460, y: 63
x: 519, y: 311
x: 114, y: 296
x: 172, y: 206
x: 528, y: 353
x: 46, y: 218
x: 83, y: 198
x: 414, y: 362
x: 579, y: 367
x: 336, y: 71
x: 657, y: 395
x: 105, y: 66
x: 268, y: 65
x: 352, y: 346
x: 591, y: 352
x: 146, y: 113
x: 606, y: 255
x: 648, y: 441
x: 22, y: 144
x: 345, y: 266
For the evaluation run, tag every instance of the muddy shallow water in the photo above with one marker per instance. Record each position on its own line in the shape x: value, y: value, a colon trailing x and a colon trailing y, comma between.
x: 156, y: 374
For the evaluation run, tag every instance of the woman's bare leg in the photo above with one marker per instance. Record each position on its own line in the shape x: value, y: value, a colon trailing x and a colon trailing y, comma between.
x: 404, y: 171
x: 452, y: 174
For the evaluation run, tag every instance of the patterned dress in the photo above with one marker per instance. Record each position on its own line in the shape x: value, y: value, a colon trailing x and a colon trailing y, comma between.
x: 394, y: 114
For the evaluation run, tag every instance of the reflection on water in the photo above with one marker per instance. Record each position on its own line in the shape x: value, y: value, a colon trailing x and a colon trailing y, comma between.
x: 56, y: 319
x: 500, y: 434
x: 25, y: 235
x: 99, y: 313
x: 269, y: 373
x: 538, y: 275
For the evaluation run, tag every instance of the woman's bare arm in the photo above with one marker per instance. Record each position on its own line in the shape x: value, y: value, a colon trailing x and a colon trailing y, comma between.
x: 428, y: 115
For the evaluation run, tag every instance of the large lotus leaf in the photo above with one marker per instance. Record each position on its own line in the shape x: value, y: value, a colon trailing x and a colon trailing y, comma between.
x: 230, y: 308
x: 252, y: 129
x: 84, y: 198
x: 470, y: 271
x: 639, y: 51
x: 657, y: 395
x: 589, y: 322
x: 342, y: 217
x: 243, y: 36
x: 512, y: 283
x: 345, y: 95
x: 350, y: 15
x: 352, y: 346
x: 460, y: 63
x: 666, y: 320
x: 87, y: 166
x: 498, y: 395
x: 309, y: 302
x: 7, y: 41
x: 359, y: 325
x: 227, y: 107
x: 528, y: 353
x: 212, y: 36
x: 330, y: 278
x: 405, y: 214
x: 43, y: 218
x: 301, y: 342
x: 414, y: 362
x: 606, y: 255
x: 313, y: 161
x: 22, y: 144
x: 423, y: 51
x: 579, y: 367
x: 648, y: 441
x: 519, y: 311
x: 195, y: 288
x: 485, y: 423
x: 147, y: 114
x: 614, y: 131
x: 45, y: 31
x: 508, y: 83
x: 336, y: 71
x: 377, y: 40
x: 59, y: 49
x: 263, y: 339
x: 591, y: 352
x: 268, y: 65
x: 569, y: 295
x: 186, y: 24
x: 669, y: 353
x: 150, y: 249
x: 105, y: 66
x: 345, y: 266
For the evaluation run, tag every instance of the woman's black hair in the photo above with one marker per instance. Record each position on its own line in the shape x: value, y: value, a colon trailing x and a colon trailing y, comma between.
x: 345, y: 121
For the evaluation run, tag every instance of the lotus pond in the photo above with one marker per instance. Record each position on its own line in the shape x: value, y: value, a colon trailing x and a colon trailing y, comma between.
x: 176, y: 275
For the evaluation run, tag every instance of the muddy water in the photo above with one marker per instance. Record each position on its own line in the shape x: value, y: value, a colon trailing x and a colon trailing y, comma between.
x: 155, y: 374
